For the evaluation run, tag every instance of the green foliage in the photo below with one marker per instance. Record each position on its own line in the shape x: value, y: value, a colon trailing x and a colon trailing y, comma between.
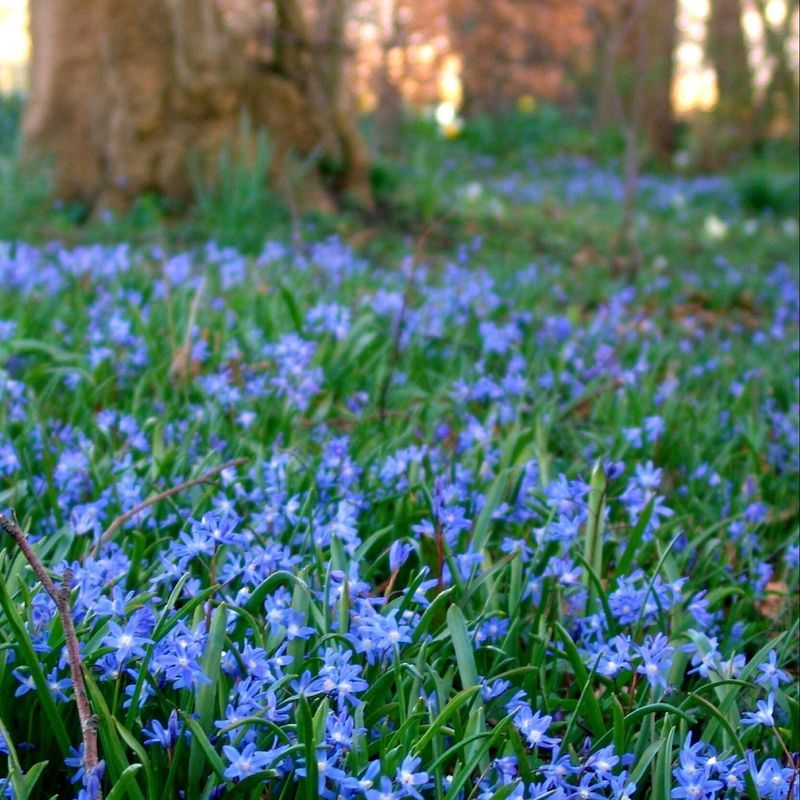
x: 235, y: 204
x: 10, y: 117
x: 25, y: 194
x: 763, y: 189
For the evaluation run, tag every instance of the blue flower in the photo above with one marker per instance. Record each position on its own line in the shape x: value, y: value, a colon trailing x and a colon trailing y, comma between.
x: 698, y: 785
x: 125, y: 642
x: 26, y: 683
x: 249, y: 761
x: 386, y: 791
x: 656, y: 655
x: 58, y: 686
x: 603, y: 761
x: 588, y: 788
x: 410, y: 779
x: 167, y: 736
x: 763, y: 714
x: 771, y: 675
x: 339, y: 678
x: 398, y: 554
x: 773, y: 781
x: 534, y: 726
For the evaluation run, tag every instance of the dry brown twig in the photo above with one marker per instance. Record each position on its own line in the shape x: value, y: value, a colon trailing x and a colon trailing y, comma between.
x: 181, y: 366
x: 60, y: 597
x: 156, y: 498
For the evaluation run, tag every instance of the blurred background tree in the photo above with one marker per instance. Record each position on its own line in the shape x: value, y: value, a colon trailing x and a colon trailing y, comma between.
x: 122, y: 95
x: 123, y: 91
x: 727, y: 52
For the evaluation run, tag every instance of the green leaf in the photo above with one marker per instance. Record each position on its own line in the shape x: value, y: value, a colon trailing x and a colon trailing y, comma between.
x: 305, y: 733
x: 593, y: 712
x: 32, y: 776
x: 432, y: 613
x: 291, y: 304
x: 29, y: 659
x: 644, y: 762
x: 14, y: 767
x: 662, y: 779
x: 494, y: 497
x: 593, y: 545
x: 462, y: 645
x: 206, y: 694
x: 123, y: 784
x: 212, y: 756
x: 585, y: 692
x: 635, y: 539
x: 619, y: 724
x: 141, y: 754
x: 458, y: 700
x: 480, y: 753
x: 301, y: 600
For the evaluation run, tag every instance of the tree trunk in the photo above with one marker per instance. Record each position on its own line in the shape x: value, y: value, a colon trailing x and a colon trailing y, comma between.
x: 727, y: 51
x: 636, y: 45
x: 780, y: 107
x: 388, y: 110
x: 123, y: 92
x: 658, y: 39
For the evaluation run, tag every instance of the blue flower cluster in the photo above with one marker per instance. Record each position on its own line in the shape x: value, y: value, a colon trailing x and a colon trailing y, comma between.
x: 413, y: 588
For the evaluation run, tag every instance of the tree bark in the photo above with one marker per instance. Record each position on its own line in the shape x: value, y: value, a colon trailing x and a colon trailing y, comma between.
x: 659, y: 35
x: 123, y: 92
x: 780, y: 108
x: 636, y: 45
x: 727, y: 51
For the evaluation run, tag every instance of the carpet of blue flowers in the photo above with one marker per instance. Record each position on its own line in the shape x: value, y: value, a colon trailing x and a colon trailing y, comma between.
x: 498, y: 531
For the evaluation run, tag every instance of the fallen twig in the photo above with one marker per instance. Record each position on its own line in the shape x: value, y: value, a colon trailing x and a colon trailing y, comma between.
x: 153, y: 499
x: 61, y: 598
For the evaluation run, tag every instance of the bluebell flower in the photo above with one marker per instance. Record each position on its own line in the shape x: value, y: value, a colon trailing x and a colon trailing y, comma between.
x: 398, y: 554
x: 771, y: 675
x: 763, y: 714
x: 249, y: 761
x: 125, y: 642
x: 656, y: 655
x: 165, y: 737
x: 699, y: 785
x: 533, y: 727
x: 386, y: 791
x: 410, y: 778
x: 773, y: 781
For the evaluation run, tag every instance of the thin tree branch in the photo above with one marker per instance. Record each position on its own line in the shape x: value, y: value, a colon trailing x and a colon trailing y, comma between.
x: 60, y: 597
x: 156, y: 498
